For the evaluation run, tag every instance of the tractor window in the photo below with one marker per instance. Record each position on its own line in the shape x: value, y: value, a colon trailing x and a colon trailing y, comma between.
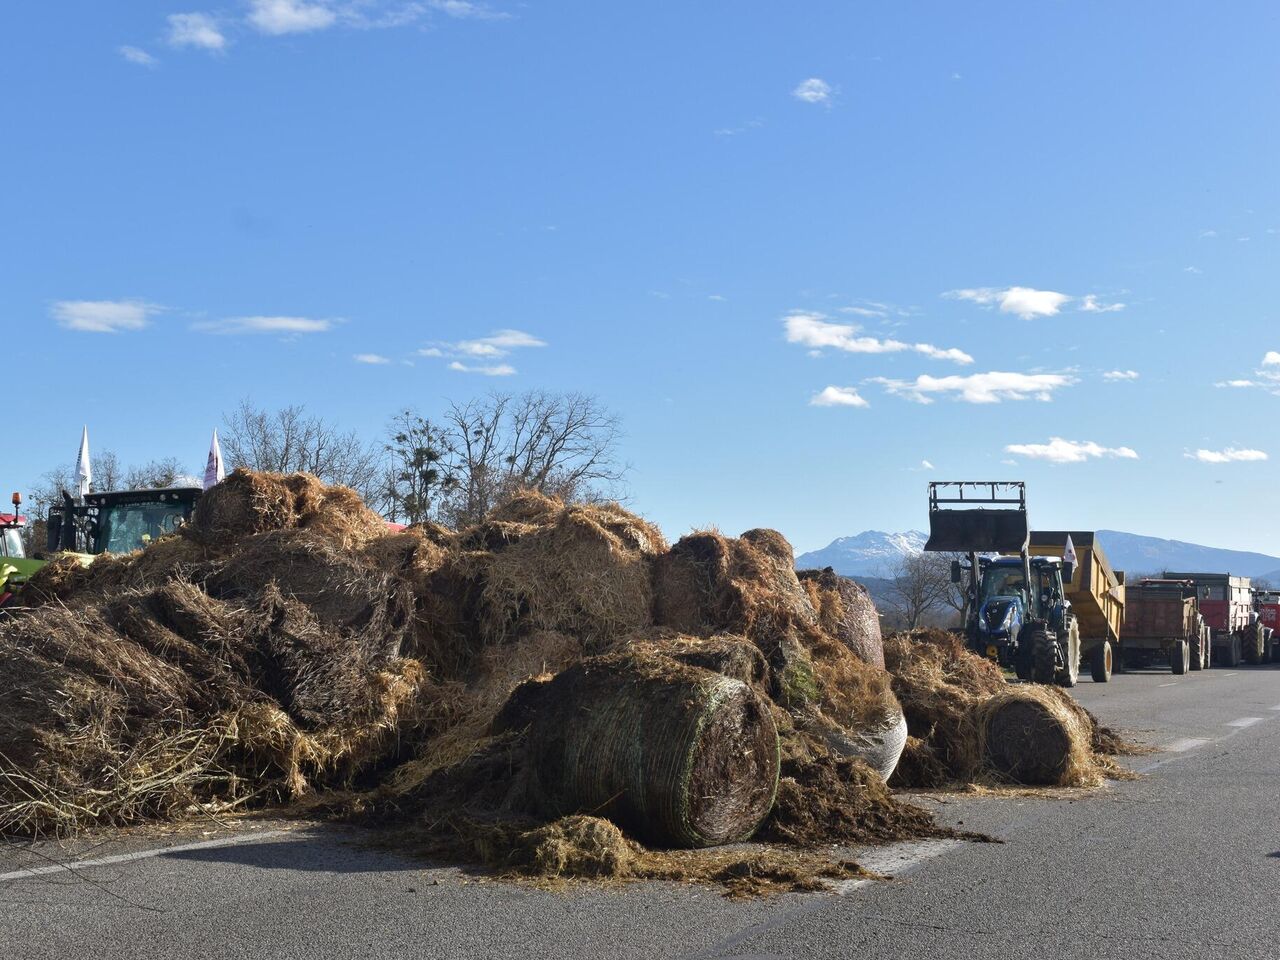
x: 131, y: 526
x: 1003, y: 582
x: 12, y: 547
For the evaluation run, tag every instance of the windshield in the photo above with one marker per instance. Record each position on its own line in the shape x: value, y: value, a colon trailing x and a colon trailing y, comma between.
x: 1003, y: 582
x: 12, y: 546
x: 131, y: 526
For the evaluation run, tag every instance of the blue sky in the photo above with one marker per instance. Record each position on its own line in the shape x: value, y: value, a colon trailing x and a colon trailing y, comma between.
x: 749, y: 228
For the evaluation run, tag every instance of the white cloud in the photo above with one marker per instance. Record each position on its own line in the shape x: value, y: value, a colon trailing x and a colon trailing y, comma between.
x: 1229, y: 455
x: 815, y: 331
x: 926, y: 465
x: 838, y: 397
x: 1195, y: 270
x: 497, y: 370
x: 1025, y: 302
x: 466, y: 10
x: 1090, y: 304
x: 376, y: 359
x: 431, y: 352
x: 813, y: 90
x: 1058, y: 450
x: 283, y: 325
x: 138, y: 55
x: 276, y: 17
x: 103, y: 316
x: 1238, y: 384
x: 195, y: 30
x: 1208, y: 233
x: 990, y: 387
x: 1271, y: 358
x: 1120, y: 375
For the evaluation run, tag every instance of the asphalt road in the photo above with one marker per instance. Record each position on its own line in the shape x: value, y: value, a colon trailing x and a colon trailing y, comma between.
x: 1184, y: 862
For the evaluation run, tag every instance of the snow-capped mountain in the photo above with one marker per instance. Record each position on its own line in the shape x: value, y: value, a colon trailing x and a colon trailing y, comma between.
x: 871, y: 553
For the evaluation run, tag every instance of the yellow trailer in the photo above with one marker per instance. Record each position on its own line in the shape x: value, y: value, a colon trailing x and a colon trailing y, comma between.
x: 1096, y: 593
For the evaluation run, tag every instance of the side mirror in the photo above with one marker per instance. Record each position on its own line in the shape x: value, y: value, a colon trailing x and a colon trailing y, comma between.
x: 956, y: 576
x: 1068, y: 570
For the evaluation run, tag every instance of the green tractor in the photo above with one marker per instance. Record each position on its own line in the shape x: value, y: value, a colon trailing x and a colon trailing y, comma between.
x: 1016, y: 611
x: 118, y: 521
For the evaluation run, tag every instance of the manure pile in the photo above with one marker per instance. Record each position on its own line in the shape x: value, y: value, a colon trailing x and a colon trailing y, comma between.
x: 552, y: 692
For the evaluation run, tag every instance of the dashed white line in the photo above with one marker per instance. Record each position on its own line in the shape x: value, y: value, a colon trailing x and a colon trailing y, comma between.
x: 896, y: 860
x: 75, y: 865
x: 1187, y: 743
x: 1173, y: 684
x: 1245, y: 722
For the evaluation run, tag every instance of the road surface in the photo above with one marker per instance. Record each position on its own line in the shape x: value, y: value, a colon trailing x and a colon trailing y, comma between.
x: 1184, y: 862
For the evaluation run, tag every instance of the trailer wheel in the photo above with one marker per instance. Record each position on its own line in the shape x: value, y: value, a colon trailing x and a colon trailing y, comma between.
x: 1197, y: 654
x: 1102, y: 661
x: 1044, y: 656
x: 1179, y: 657
x: 1229, y: 653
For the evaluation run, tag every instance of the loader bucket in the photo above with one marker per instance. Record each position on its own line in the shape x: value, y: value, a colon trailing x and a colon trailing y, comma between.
x: 977, y: 531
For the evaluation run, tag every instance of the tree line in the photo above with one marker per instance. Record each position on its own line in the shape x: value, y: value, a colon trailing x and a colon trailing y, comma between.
x: 452, y: 468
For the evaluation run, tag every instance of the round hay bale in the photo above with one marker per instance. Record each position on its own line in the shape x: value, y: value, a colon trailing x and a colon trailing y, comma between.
x: 680, y: 756
x: 248, y: 502
x: 725, y: 654
x: 1032, y: 735
x: 847, y: 612
x: 878, y: 744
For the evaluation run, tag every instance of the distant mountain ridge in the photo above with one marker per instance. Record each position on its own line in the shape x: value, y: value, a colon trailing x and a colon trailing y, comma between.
x: 873, y: 553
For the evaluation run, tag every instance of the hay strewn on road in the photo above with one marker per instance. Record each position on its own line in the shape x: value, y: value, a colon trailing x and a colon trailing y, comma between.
x: 482, y: 689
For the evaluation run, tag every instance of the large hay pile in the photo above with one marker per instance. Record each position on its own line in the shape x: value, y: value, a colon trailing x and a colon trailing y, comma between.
x: 480, y: 689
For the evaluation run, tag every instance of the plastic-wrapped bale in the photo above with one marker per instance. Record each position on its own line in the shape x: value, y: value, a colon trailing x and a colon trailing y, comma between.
x: 1037, y: 736
x: 678, y: 755
x: 847, y: 612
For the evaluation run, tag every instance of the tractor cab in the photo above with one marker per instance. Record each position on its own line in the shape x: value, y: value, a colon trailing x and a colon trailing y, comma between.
x: 119, y: 521
x: 15, y: 565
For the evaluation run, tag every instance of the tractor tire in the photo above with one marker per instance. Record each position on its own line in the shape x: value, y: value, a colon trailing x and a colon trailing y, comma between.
x: 1229, y: 655
x: 1044, y: 655
x: 1069, y: 641
x: 1023, y: 660
x: 1253, y: 647
x: 1197, y: 653
x: 1179, y: 657
x: 1101, y: 662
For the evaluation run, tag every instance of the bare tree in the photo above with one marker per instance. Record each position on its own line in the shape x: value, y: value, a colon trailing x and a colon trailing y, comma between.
x: 418, y: 473
x: 920, y: 584
x: 290, y: 439
x: 155, y: 474
x: 563, y: 444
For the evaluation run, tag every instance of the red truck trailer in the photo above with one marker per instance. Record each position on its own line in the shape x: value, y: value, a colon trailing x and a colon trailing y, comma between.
x: 1226, y: 603
x: 1267, y: 605
x: 1162, y: 622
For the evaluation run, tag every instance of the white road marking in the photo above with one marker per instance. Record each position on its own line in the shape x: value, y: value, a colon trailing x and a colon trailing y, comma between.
x: 1188, y: 743
x: 1274, y: 708
x: 74, y: 865
x: 1235, y: 673
x: 1245, y: 722
x: 895, y: 860
x: 1173, y: 684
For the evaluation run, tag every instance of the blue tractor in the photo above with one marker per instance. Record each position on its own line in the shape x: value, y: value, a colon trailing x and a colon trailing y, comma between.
x: 1016, y: 611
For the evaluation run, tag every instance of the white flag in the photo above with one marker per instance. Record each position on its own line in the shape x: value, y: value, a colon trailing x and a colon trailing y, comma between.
x: 213, y: 469
x: 84, y: 471
x: 1069, y: 552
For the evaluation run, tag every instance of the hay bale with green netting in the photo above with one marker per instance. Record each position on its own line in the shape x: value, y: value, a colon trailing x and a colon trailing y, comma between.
x: 678, y: 755
x: 846, y: 612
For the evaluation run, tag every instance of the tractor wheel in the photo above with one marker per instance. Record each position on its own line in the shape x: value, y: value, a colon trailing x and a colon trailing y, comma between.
x: 1229, y: 654
x: 1179, y: 657
x: 1023, y: 660
x: 1044, y: 655
x: 1070, y: 643
x: 1253, y: 647
x: 1197, y: 653
x: 1101, y: 662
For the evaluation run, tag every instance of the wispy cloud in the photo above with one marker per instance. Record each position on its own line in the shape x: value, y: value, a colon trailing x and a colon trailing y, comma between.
x: 741, y: 128
x: 277, y: 17
x: 496, y: 346
x: 290, y: 326
x: 1266, y: 377
x: 1091, y: 304
x: 195, y: 30
x: 838, y: 397
x: 1058, y: 450
x: 1025, y: 302
x: 103, y: 316
x: 816, y: 331
x: 990, y: 387
x: 466, y: 10
x: 1116, y: 376
x: 137, y: 55
x: 375, y: 359
x: 1192, y: 270
x: 494, y: 370
x: 813, y: 90
x: 1229, y: 455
